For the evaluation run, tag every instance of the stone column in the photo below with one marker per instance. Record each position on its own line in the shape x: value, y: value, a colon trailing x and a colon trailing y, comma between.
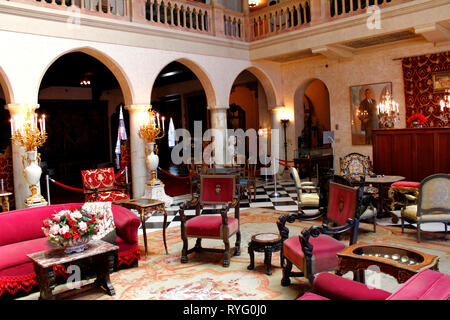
x: 138, y: 168
x: 277, y: 135
x: 219, y: 126
x: 245, y: 7
x: 21, y: 189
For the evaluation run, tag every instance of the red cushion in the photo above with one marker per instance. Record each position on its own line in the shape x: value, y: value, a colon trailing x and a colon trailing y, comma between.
x: 425, y: 285
x: 108, y: 196
x: 209, y: 226
x: 339, y: 288
x: 312, y: 296
x: 324, y: 252
x: 98, y: 178
x: 406, y: 184
x: 16, y: 253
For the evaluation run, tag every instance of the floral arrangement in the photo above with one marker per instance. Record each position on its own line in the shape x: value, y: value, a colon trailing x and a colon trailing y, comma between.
x: 417, y: 117
x: 68, y: 226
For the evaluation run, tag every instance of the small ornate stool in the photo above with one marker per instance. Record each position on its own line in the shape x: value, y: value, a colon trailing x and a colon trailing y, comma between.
x: 267, y: 243
x: 398, y: 190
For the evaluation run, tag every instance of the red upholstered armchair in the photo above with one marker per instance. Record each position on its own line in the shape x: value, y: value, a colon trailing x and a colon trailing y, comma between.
x: 425, y: 285
x: 218, y: 191
x: 316, y: 248
x: 101, y: 185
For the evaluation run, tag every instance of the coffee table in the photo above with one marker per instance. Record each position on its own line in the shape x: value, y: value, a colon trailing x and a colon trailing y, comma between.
x: 146, y: 207
x: 267, y: 243
x: 381, y: 182
x: 401, y: 263
x: 100, y: 252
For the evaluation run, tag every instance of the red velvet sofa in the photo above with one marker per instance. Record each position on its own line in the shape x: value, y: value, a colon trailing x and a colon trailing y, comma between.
x: 425, y: 285
x: 21, y: 234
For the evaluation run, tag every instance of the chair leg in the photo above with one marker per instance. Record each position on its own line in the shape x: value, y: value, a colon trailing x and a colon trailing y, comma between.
x: 445, y: 234
x: 238, y: 244
x: 403, y: 224
x: 198, y: 244
x: 418, y: 232
x: 375, y: 223
x: 184, y: 258
x: 226, y: 253
x: 285, y: 281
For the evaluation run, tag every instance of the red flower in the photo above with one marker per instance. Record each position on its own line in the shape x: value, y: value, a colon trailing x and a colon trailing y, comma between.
x: 417, y: 117
x: 67, y: 235
x: 71, y: 222
x: 101, y: 217
x: 46, y: 223
x: 76, y: 236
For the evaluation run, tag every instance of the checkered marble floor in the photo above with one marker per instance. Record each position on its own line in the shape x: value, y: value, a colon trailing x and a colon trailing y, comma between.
x: 286, y: 201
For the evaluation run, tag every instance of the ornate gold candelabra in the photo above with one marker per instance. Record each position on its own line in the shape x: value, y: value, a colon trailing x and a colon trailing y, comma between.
x: 150, y: 131
x: 25, y: 133
x: 388, y: 114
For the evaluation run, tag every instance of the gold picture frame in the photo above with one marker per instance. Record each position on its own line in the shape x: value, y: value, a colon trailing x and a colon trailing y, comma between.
x: 441, y: 81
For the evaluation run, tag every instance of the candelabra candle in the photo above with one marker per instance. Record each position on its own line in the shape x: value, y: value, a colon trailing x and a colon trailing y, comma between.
x: 26, y: 133
x: 151, y: 131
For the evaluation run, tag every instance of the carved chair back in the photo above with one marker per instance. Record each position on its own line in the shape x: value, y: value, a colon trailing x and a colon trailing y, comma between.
x: 434, y: 195
x: 355, y: 165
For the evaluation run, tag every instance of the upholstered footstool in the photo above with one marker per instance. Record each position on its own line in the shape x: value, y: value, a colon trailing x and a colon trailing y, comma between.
x: 399, y: 189
x: 267, y: 243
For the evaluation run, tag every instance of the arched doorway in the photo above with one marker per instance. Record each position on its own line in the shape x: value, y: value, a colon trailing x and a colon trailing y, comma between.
x: 81, y: 98
x: 248, y: 105
x: 312, y: 119
x: 316, y: 114
x: 179, y: 93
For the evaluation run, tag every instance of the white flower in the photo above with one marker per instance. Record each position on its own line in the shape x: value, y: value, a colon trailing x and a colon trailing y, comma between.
x: 83, y: 226
x: 54, y: 229
x: 64, y: 229
x: 76, y: 215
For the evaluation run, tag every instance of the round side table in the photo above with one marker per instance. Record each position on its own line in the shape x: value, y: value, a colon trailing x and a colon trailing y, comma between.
x: 267, y: 243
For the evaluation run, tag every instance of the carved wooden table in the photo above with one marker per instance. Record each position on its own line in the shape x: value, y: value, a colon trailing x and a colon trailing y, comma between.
x: 267, y: 243
x: 146, y: 207
x: 102, y: 255
x: 382, y: 182
x: 401, y: 263
x: 4, y: 200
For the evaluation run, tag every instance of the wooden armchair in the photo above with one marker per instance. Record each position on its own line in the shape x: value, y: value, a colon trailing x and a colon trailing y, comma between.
x: 433, y: 203
x: 247, y: 182
x: 216, y: 190
x: 315, y: 249
x: 101, y: 185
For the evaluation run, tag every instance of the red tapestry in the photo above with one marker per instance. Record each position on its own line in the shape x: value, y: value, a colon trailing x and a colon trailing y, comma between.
x: 418, y: 82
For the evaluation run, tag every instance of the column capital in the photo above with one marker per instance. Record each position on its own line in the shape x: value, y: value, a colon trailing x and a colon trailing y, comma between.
x: 138, y: 107
x: 218, y: 108
x: 21, y: 108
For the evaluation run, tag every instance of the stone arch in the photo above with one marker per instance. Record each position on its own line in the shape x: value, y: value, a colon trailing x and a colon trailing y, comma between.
x: 266, y: 83
x: 110, y: 63
x: 202, y: 76
x: 5, y: 85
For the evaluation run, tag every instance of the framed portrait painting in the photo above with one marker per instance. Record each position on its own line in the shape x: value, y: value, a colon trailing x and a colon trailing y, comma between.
x: 363, y: 110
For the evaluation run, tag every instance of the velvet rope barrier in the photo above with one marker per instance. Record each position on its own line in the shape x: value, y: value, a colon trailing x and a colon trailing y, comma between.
x: 65, y: 186
x: 172, y: 175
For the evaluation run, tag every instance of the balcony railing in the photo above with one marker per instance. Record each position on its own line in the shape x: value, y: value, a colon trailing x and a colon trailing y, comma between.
x: 193, y: 16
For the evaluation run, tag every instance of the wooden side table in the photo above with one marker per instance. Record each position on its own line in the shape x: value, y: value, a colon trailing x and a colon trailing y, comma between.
x: 267, y: 243
x: 399, y: 262
x: 102, y: 255
x: 145, y: 207
x: 5, y: 200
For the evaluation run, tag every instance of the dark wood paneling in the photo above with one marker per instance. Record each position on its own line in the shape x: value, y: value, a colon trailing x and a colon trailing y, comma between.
x: 443, y: 158
x: 411, y: 153
x: 402, y: 166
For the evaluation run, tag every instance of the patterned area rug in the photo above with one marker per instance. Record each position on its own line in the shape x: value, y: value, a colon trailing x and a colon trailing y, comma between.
x: 162, y: 276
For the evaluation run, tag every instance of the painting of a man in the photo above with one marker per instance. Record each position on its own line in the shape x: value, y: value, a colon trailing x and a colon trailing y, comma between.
x: 368, y: 114
x: 364, y: 100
